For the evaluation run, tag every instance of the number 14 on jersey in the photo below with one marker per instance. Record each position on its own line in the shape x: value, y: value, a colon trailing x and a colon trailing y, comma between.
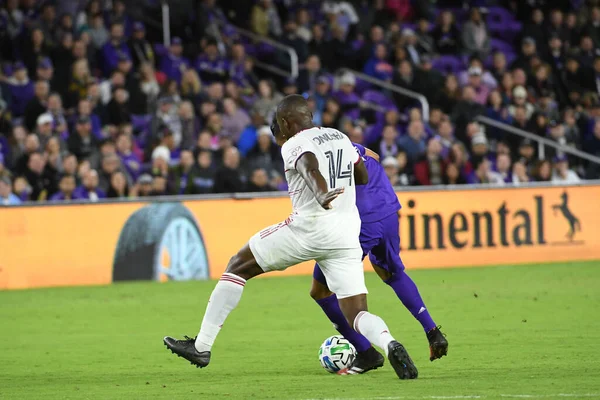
x: 335, y: 168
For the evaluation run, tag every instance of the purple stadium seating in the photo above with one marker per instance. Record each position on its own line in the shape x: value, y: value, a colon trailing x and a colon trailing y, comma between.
x: 160, y: 49
x: 507, y: 31
x: 449, y: 64
x: 378, y: 97
x: 501, y: 45
x: 141, y: 127
x: 499, y: 15
x: 361, y: 86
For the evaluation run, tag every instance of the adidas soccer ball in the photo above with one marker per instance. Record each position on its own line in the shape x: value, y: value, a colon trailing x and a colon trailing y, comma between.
x: 336, y: 353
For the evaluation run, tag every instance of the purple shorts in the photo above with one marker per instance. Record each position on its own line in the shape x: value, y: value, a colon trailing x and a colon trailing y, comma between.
x: 381, y: 241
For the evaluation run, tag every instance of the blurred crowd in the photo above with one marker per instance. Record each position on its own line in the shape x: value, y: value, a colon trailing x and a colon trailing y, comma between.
x: 93, y: 105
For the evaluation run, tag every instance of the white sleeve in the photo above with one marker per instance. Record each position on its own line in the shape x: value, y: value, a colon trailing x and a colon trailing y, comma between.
x: 293, y: 149
x: 348, y: 9
x: 354, y: 151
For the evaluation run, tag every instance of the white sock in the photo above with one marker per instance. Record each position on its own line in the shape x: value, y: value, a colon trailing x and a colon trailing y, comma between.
x: 373, y: 328
x: 224, y: 298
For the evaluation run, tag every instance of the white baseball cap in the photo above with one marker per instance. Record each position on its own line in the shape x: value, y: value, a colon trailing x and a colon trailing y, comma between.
x: 161, y: 152
x: 390, y: 161
x: 520, y: 91
x: 408, y: 32
x: 479, y: 139
x: 264, y: 130
x: 45, y: 118
x: 348, y: 79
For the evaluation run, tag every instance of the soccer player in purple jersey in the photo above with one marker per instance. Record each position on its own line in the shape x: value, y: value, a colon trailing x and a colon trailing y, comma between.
x: 378, y: 207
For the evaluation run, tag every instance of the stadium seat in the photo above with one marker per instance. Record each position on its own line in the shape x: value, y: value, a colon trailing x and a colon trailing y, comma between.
x: 378, y: 97
x: 500, y: 45
x: 448, y: 64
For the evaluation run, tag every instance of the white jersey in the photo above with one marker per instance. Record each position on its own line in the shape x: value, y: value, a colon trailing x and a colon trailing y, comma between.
x: 338, y: 227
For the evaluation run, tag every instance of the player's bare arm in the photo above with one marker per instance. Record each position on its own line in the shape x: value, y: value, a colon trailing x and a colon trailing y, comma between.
x: 361, y: 176
x: 372, y: 154
x: 308, y: 167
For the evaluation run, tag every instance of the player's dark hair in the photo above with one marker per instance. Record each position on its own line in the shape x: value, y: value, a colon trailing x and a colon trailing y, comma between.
x: 274, y: 126
x: 295, y: 107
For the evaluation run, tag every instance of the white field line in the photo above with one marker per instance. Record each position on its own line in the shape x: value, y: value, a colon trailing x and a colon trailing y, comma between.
x: 508, y: 396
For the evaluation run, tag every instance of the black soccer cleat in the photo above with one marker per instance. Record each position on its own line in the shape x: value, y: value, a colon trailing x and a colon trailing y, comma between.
x: 401, y: 362
x: 438, y: 345
x: 363, y: 362
x: 186, y: 349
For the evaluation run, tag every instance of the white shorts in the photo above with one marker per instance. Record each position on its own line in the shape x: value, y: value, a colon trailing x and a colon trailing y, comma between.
x: 279, y: 247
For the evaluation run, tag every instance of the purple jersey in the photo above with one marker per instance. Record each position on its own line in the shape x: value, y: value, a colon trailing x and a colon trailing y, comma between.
x: 377, y: 199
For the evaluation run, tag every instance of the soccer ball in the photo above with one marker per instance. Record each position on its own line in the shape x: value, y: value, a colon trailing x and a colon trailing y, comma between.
x: 336, y: 353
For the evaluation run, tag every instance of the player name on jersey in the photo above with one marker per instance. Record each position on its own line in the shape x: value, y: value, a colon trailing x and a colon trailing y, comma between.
x: 328, y: 136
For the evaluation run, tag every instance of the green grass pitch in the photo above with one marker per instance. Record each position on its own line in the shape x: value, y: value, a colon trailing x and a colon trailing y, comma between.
x: 514, y: 332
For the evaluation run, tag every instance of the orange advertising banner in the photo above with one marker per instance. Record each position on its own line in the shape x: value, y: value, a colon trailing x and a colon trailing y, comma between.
x: 67, y: 245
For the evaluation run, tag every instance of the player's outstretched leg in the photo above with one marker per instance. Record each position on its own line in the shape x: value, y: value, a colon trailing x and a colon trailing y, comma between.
x: 407, y: 291
x: 367, y: 358
x: 386, y: 261
x: 224, y: 298
x: 376, y: 330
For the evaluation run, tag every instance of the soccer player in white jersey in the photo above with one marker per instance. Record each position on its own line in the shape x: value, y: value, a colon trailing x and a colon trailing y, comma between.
x: 322, y: 168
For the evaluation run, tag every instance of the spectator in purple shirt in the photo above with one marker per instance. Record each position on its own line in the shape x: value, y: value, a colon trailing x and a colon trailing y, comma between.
x: 480, y: 172
x: 234, y: 120
x: 21, y: 89
x: 210, y: 65
x: 413, y: 143
x: 45, y: 70
x: 84, y: 109
x: 346, y: 97
x: 503, y: 167
x: 387, y: 146
x: 487, y: 78
x: 129, y: 159
x: 173, y: 64
x: 112, y: 48
x: 482, y: 91
x: 89, y: 189
x: 378, y: 66
x: 66, y: 187
x: 237, y: 68
x: 446, y: 137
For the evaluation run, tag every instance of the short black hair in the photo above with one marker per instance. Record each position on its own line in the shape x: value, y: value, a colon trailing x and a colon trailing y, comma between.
x: 475, y: 57
x: 294, y: 105
x: 63, y: 176
x: 274, y: 126
x: 478, y: 160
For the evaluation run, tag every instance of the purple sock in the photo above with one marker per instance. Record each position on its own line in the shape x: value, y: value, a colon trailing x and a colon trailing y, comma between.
x: 407, y: 292
x: 332, y: 309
